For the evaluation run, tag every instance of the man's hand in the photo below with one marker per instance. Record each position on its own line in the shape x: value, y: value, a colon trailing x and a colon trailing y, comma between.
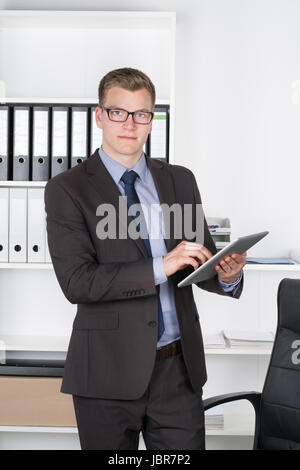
x: 184, y: 254
x: 194, y: 254
x: 230, y: 267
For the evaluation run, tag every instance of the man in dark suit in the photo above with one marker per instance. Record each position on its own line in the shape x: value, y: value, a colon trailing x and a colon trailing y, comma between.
x: 135, y: 360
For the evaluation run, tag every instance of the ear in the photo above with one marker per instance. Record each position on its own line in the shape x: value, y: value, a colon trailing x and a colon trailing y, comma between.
x: 98, y: 116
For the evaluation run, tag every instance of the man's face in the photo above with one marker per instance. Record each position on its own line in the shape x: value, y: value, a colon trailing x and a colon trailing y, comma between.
x: 124, y: 138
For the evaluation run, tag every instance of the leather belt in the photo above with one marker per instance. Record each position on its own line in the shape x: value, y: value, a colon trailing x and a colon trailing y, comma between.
x: 169, y: 350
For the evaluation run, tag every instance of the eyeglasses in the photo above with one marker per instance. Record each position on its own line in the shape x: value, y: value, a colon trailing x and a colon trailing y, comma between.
x: 121, y: 115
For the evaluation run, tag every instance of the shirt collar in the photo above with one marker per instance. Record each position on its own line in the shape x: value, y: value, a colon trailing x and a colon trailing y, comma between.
x: 117, y: 170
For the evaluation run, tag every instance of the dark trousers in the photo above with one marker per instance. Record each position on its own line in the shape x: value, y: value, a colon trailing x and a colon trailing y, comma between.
x: 170, y: 414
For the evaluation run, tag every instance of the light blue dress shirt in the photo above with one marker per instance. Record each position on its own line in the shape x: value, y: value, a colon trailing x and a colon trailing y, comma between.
x: 146, y: 191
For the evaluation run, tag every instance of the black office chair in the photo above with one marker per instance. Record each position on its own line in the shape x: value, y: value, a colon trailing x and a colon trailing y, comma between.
x: 277, y: 408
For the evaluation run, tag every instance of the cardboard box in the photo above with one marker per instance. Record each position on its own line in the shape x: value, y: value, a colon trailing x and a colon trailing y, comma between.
x: 34, y: 401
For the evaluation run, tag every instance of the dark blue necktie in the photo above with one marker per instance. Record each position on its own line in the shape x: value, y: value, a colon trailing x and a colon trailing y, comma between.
x: 128, y: 179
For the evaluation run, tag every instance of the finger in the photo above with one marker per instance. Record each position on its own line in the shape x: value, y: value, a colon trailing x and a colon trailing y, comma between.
x: 198, y: 246
x: 207, y: 253
x: 191, y: 261
x: 222, y: 271
x: 234, y: 264
x: 196, y: 253
x: 231, y: 261
x: 200, y: 257
x: 239, y: 258
x: 241, y: 262
x: 226, y: 266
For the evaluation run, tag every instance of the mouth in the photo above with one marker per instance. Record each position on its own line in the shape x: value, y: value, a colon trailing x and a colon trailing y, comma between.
x: 127, y: 137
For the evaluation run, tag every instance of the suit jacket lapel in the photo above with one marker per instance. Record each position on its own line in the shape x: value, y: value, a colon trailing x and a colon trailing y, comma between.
x: 166, y: 192
x: 108, y: 191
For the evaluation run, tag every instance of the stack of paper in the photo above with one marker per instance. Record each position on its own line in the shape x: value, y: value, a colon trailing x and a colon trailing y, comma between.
x: 214, y: 418
x: 282, y: 260
x: 214, y: 341
x: 249, y: 338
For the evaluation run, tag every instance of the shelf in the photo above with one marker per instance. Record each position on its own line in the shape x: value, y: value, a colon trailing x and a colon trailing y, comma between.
x: 272, y: 267
x: 235, y: 425
x: 238, y: 351
x: 60, y: 343
x: 33, y: 343
x: 86, y: 19
x: 40, y: 429
x: 29, y: 266
x: 89, y: 101
x: 36, y: 100
x: 259, y: 267
x: 23, y: 184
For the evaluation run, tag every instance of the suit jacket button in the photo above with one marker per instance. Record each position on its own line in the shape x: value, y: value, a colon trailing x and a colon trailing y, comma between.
x: 152, y: 323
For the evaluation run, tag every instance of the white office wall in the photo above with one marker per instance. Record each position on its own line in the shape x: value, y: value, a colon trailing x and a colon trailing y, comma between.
x: 237, y: 106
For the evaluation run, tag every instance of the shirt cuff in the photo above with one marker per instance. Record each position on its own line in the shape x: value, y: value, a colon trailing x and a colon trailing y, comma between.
x: 159, y: 271
x: 230, y: 287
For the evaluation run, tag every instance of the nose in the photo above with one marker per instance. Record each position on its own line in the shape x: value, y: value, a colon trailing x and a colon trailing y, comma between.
x: 129, y: 123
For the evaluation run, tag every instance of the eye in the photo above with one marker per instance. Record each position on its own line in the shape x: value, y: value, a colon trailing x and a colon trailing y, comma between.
x: 117, y: 112
x: 140, y: 115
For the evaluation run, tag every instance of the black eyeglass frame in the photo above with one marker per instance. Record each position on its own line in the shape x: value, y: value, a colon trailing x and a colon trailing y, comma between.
x: 128, y: 113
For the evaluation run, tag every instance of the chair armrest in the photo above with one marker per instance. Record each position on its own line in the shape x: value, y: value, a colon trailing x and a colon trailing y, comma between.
x: 253, y: 397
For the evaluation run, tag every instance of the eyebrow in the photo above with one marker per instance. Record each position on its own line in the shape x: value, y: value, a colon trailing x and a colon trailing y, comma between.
x: 145, y: 110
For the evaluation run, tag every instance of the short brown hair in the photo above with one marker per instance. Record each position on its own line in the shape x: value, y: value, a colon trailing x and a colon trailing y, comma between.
x: 127, y: 78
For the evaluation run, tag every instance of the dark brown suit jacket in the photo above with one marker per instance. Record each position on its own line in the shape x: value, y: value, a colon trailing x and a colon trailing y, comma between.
x: 114, y: 339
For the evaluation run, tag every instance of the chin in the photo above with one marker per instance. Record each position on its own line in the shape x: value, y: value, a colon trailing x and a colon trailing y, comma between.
x: 129, y: 149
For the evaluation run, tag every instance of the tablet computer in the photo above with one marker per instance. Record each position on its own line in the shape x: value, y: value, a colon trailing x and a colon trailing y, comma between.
x: 207, y: 270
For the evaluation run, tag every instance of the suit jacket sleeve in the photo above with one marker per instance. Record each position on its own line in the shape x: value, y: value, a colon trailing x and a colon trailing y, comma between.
x: 212, y: 285
x: 81, y: 277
